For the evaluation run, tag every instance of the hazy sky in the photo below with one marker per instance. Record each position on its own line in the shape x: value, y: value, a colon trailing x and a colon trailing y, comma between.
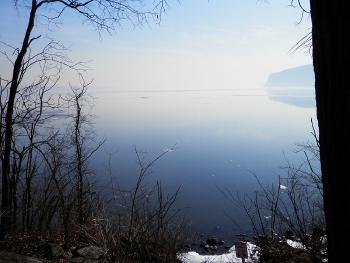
x: 200, y: 44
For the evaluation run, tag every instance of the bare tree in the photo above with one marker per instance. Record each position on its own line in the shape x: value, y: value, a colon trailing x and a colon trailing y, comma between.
x: 292, y: 208
x: 84, y: 143
x: 104, y: 15
x: 144, y: 223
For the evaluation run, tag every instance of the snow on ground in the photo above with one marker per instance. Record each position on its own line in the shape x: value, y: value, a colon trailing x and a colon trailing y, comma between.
x: 230, y: 257
x: 295, y: 244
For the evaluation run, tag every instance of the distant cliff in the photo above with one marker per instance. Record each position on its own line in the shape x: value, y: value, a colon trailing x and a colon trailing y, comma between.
x: 302, y: 76
x: 294, y: 86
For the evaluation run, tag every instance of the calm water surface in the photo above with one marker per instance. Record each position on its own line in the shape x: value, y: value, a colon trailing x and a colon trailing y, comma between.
x: 221, y: 137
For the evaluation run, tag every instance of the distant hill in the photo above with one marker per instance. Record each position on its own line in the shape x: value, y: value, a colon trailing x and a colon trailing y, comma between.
x: 302, y: 76
x: 294, y: 86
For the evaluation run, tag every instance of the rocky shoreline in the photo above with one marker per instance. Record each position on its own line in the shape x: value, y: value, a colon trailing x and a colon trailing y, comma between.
x: 51, y: 252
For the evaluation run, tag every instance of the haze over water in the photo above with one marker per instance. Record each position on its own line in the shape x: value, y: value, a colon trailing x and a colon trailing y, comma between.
x: 221, y: 137
x: 196, y: 81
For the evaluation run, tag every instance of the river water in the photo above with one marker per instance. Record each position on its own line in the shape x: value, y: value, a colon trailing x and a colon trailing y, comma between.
x: 220, y: 139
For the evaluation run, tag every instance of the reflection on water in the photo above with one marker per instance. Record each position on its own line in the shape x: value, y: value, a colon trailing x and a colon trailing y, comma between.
x: 297, y: 96
x: 221, y: 138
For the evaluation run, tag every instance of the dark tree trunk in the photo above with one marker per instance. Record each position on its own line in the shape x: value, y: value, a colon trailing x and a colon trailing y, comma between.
x: 5, y: 213
x: 79, y: 159
x: 331, y: 55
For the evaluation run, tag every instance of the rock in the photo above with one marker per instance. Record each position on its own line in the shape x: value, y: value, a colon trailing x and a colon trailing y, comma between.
x: 90, y: 252
x: 42, y: 243
x: 51, y: 250
x: 77, y: 260
x: 187, y: 247
x: 56, y: 251
x: 9, y: 257
x: 212, y: 241
x: 68, y: 255
x: 221, y: 242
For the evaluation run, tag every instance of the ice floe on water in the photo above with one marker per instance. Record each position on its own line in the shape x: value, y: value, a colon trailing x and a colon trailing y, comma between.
x: 283, y: 187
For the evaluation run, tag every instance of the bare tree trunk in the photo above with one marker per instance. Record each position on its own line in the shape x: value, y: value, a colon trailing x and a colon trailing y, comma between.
x: 5, y: 201
x: 331, y: 54
x: 79, y: 157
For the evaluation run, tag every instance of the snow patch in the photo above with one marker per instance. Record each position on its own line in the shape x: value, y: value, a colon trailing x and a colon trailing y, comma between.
x: 295, y: 244
x: 230, y: 257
